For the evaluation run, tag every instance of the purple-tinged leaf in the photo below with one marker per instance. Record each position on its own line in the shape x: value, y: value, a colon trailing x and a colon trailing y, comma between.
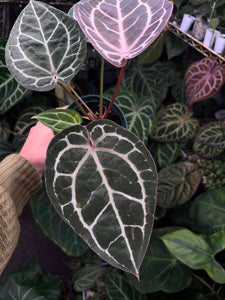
x: 120, y: 29
x: 203, y: 80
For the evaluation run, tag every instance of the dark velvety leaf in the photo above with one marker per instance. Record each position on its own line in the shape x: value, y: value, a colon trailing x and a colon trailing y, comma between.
x: 160, y: 270
x: 86, y: 277
x: 27, y: 282
x: 102, y: 181
x: 52, y: 50
x: 117, y: 287
x: 207, y: 212
x: 54, y: 227
x: 177, y: 184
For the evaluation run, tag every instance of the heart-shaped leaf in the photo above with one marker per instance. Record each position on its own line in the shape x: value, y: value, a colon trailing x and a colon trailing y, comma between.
x: 177, y: 184
x: 45, y: 46
x: 54, y: 227
x: 164, y: 154
x: 197, y: 251
x: 121, y: 30
x: 139, y: 113
x: 175, y: 123
x: 10, y: 91
x: 59, y: 119
x: 206, y: 151
x: 207, y: 212
x: 203, y: 80
x: 211, y: 134
x: 86, y: 277
x: 102, y: 181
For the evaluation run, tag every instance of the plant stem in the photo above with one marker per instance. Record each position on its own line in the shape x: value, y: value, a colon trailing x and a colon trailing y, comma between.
x: 101, y: 87
x: 115, y: 92
x: 91, y: 114
x: 208, y: 286
x: 74, y: 99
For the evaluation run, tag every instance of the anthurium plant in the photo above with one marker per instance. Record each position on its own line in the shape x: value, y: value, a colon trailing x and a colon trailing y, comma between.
x: 100, y: 177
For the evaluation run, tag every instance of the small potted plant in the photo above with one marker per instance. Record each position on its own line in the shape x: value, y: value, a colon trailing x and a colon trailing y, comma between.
x: 100, y: 177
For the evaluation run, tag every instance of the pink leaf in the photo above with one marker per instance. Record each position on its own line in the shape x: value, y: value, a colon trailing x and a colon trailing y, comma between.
x: 122, y: 29
x: 203, y: 80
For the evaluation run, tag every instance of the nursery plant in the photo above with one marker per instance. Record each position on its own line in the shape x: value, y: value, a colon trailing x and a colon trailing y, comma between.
x: 100, y: 177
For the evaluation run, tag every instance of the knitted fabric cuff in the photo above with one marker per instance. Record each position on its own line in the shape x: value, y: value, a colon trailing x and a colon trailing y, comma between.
x: 9, y: 228
x: 20, y: 179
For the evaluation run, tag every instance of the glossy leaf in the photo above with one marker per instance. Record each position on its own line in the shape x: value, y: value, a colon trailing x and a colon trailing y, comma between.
x: 178, y: 91
x: 197, y: 251
x: 51, y: 50
x: 175, y: 123
x: 120, y: 30
x: 160, y: 270
x: 117, y: 287
x: 177, y: 184
x: 27, y: 282
x: 59, y: 119
x: 11, y: 92
x: 86, y: 277
x: 54, y: 227
x: 203, y: 80
x: 164, y: 154
x: 211, y: 134
x: 139, y: 113
x: 207, y: 212
x: 206, y: 151
x: 102, y: 181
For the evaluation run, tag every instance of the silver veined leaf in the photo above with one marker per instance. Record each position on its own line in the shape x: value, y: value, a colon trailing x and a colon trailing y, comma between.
x: 212, y: 135
x: 175, y: 123
x: 120, y: 30
x: 207, y: 151
x: 45, y: 46
x: 177, y: 184
x: 102, y: 181
x: 139, y: 113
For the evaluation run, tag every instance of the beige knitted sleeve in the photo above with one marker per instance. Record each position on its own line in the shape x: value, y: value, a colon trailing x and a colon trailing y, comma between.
x: 19, y: 181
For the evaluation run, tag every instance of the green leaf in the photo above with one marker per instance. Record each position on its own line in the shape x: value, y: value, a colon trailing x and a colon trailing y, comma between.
x: 178, y: 91
x: 207, y: 212
x: 175, y: 123
x: 174, y: 45
x: 27, y: 282
x: 206, y: 151
x: 196, y: 252
x: 117, y: 287
x: 140, y: 79
x: 59, y: 119
x: 11, y: 92
x: 52, y: 50
x: 154, y: 52
x: 86, y: 277
x: 54, y: 227
x: 160, y: 270
x: 212, y: 135
x: 139, y: 113
x: 102, y: 181
x: 177, y: 184
x: 164, y: 154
